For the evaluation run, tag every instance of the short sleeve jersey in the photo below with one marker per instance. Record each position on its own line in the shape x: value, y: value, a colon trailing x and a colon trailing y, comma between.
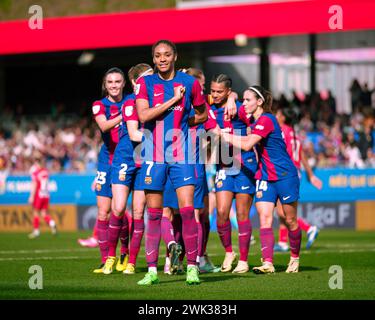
x: 293, y: 145
x: 40, y: 176
x: 274, y: 161
x: 110, y: 138
x: 166, y: 137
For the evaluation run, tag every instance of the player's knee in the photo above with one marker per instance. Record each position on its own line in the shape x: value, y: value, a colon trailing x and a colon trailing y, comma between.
x: 242, y: 215
x: 118, y: 208
x: 138, y: 212
x: 291, y: 222
x: 222, y: 211
x: 103, y: 214
x: 154, y: 214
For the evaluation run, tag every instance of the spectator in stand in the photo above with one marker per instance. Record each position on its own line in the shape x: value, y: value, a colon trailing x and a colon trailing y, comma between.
x: 356, y: 93
x: 366, y: 99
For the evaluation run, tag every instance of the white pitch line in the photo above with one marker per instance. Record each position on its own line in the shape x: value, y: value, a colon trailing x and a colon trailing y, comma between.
x: 45, y: 251
x: 45, y: 258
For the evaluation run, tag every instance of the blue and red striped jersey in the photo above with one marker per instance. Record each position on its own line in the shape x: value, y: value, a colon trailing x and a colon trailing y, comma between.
x: 274, y: 160
x: 110, y: 138
x: 165, y: 138
x: 236, y: 126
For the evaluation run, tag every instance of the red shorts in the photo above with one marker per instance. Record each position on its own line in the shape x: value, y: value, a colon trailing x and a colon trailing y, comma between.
x: 41, y: 203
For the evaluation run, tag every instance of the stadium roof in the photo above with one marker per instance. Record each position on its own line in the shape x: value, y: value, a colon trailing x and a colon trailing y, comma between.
x: 183, y: 25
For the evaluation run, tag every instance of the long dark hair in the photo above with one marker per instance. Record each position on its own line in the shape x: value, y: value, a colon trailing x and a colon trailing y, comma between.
x: 266, y: 97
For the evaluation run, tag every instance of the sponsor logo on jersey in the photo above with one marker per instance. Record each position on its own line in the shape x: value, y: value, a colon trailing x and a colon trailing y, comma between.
x: 259, y: 194
x: 259, y: 127
x: 175, y: 108
x: 148, y: 180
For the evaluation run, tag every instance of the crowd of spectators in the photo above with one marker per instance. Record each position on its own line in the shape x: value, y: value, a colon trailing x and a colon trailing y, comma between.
x: 71, y: 142
x: 331, y: 139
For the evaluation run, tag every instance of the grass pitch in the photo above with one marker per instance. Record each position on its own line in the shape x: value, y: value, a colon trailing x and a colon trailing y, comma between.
x: 67, y: 271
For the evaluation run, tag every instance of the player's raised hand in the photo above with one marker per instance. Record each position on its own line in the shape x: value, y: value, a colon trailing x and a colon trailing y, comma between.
x: 179, y: 92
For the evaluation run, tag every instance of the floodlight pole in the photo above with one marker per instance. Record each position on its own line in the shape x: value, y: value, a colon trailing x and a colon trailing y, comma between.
x: 264, y: 63
x: 312, y: 50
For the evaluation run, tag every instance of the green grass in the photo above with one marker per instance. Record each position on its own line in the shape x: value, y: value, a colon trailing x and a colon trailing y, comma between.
x: 67, y: 271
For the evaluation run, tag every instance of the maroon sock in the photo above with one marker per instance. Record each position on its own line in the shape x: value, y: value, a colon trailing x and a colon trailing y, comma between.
x: 225, y: 234
x: 295, y: 242
x: 135, y: 242
x: 244, y: 236
x: 267, y: 241
x: 200, y: 239
x: 153, y: 235
x: 206, y: 233
x: 190, y: 234
x: 177, y: 227
x: 114, y: 228
x: 102, y: 233
x: 167, y: 232
x: 124, y: 235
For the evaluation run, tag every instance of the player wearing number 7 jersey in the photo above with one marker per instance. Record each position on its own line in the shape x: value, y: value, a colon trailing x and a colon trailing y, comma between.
x: 277, y: 177
x: 164, y: 101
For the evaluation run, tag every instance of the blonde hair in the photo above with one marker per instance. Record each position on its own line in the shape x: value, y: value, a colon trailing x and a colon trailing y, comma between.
x: 138, y: 71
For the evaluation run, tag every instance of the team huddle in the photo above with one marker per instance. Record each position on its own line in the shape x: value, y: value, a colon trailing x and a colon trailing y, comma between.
x: 157, y: 142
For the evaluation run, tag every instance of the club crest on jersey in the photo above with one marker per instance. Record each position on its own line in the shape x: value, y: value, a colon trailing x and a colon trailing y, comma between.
x: 219, y: 184
x: 98, y: 187
x: 121, y: 177
x: 259, y: 194
x: 148, y: 180
x: 259, y: 127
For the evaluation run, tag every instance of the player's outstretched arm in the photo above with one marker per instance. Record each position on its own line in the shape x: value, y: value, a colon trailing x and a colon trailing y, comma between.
x: 245, y: 143
x: 314, y: 180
